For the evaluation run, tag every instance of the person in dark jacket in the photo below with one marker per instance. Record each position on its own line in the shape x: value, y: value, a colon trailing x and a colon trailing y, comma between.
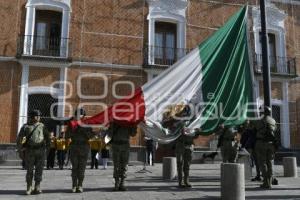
x: 248, y: 141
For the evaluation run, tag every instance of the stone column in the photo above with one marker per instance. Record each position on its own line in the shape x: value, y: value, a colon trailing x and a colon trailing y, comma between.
x: 169, y: 168
x: 244, y: 158
x: 290, y: 167
x: 232, y: 181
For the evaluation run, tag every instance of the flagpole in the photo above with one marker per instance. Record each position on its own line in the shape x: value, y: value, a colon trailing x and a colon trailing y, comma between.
x: 265, y: 56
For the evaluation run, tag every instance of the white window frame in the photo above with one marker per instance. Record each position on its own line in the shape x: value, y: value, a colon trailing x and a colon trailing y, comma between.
x: 62, y: 6
x: 25, y: 91
x: 159, y: 11
x: 275, y: 25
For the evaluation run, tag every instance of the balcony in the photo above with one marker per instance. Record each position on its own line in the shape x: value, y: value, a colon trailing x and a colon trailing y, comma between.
x: 43, y: 48
x: 279, y: 66
x: 162, y: 56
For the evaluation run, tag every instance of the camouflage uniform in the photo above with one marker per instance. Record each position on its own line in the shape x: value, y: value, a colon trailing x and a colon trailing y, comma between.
x: 227, y: 144
x: 184, y: 150
x: 264, y: 147
x: 35, y: 154
x: 120, y: 147
x: 79, y: 150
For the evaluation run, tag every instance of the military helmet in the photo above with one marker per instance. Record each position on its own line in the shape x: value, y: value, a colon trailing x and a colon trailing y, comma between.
x: 80, y: 111
x: 267, y: 109
x: 34, y: 113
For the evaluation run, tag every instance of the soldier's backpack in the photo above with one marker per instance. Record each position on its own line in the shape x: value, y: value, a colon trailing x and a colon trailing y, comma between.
x: 36, y: 137
x: 269, y: 131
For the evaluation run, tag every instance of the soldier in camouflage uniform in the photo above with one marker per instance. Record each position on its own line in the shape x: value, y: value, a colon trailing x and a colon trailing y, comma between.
x: 120, y: 136
x: 79, y: 150
x: 184, y: 150
x: 265, y: 146
x: 227, y: 144
x: 34, y: 139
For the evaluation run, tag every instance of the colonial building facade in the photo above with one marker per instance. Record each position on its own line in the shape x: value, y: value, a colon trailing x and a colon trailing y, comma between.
x: 56, y: 55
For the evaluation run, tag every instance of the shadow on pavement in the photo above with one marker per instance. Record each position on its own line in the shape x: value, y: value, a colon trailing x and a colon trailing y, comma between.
x: 205, y: 198
x: 100, y: 189
x: 274, y: 189
x: 156, y: 179
x: 15, y: 192
x: 271, y: 197
x: 170, y: 189
x: 45, y: 191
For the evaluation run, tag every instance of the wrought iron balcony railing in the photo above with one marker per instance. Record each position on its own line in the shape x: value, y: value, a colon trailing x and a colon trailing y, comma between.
x: 30, y: 45
x: 162, y: 56
x: 278, y: 65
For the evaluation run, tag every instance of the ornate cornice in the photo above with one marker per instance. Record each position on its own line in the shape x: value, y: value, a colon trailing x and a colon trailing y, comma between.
x: 169, y: 8
x: 274, y: 15
x: 66, y: 4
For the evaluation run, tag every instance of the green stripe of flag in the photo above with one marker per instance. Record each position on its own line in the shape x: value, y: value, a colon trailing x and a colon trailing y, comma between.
x: 226, y: 73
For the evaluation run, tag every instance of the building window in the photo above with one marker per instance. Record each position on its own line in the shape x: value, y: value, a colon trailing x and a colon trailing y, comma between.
x: 165, y: 43
x: 280, y: 64
x: 274, y: 60
x: 272, y: 51
x: 46, y: 29
x: 47, y: 36
x: 167, y: 31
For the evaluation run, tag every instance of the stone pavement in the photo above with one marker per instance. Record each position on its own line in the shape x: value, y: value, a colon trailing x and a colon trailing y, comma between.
x: 141, y: 186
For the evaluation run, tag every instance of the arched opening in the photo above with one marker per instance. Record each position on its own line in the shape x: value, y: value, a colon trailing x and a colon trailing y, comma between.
x: 43, y: 102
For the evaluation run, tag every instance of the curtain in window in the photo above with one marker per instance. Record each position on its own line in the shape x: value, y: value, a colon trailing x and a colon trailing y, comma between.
x: 170, y: 46
x: 40, y: 36
x: 158, y: 51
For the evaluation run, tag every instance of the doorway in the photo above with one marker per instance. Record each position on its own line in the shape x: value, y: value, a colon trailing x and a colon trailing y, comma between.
x: 43, y: 103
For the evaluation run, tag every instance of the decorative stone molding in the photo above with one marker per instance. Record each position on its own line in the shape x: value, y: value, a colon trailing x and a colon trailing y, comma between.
x: 169, y: 9
x: 58, y: 5
x: 275, y: 24
x: 275, y: 17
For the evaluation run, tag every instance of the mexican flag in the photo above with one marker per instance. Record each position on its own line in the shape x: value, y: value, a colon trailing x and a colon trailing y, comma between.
x: 214, y: 80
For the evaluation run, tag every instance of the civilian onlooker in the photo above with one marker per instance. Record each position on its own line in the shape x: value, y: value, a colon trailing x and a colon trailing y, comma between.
x: 95, y: 145
x: 51, y: 155
x: 61, y: 150
x: 150, y: 151
x: 105, y: 154
x: 248, y: 142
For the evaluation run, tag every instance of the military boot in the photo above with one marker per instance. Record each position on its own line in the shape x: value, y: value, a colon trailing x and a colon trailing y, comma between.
x: 79, y: 187
x: 37, y: 188
x: 122, y: 185
x: 186, y: 181
x: 274, y: 181
x: 269, y: 182
x: 180, y: 181
x: 266, y: 183
x: 117, y: 184
x: 74, y: 185
x: 29, y: 189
